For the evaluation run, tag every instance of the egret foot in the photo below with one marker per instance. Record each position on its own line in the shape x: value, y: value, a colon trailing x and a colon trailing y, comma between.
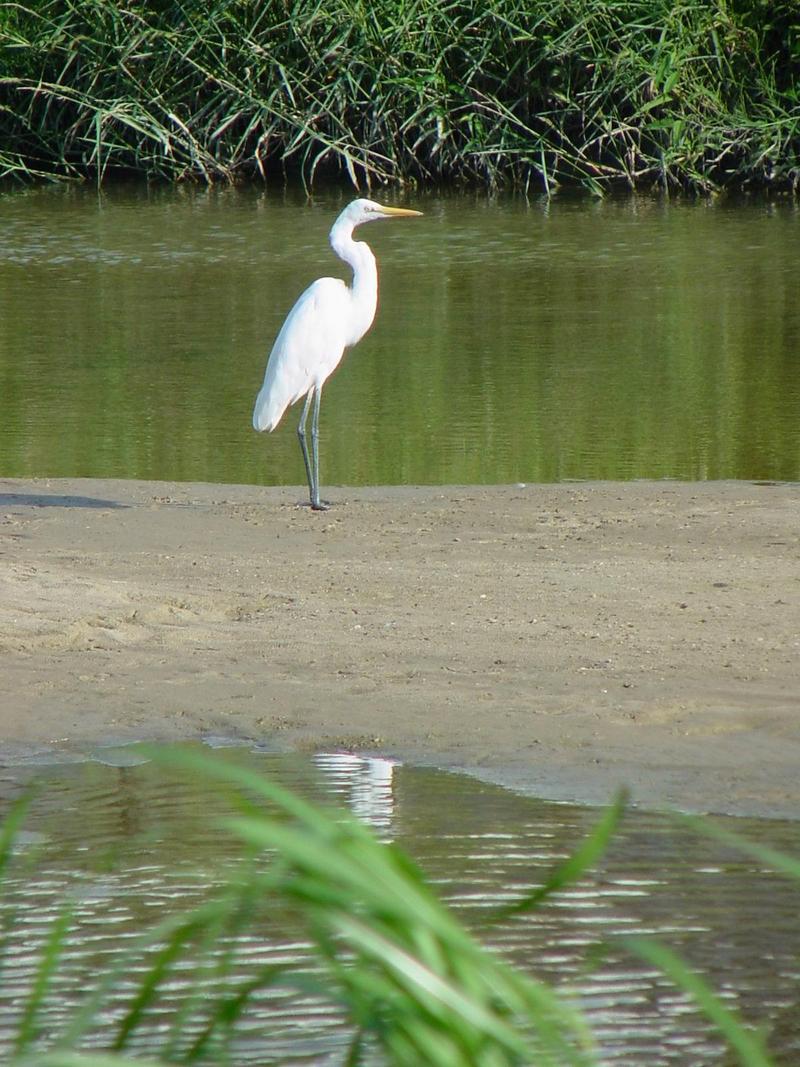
x: 321, y: 505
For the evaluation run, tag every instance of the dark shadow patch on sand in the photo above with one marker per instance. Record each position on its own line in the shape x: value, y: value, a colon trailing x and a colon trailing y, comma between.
x: 55, y: 500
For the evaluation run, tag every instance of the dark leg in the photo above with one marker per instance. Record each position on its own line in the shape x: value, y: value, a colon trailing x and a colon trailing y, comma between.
x: 316, y: 503
x: 301, y: 434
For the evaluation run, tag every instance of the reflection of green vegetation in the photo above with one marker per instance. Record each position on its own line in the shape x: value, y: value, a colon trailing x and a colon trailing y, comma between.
x: 626, y: 339
x: 699, y: 93
x: 411, y: 983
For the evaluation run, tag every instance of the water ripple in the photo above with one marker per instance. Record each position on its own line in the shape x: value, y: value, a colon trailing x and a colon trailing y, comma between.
x: 128, y: 847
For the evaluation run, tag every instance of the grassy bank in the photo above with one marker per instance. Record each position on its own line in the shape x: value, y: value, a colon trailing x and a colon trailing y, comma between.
x: 696, y: 95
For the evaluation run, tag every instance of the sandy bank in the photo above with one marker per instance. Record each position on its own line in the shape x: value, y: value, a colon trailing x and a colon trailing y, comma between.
x: 564, y: 639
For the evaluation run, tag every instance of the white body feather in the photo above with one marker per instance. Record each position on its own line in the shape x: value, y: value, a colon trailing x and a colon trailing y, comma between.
x: 306, y: 351
x: 327, y: 318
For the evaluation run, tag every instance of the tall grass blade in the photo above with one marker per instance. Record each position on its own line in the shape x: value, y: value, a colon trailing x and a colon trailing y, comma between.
x: 405, y: 971
x: 574, y: 867
x: 781, y: 862
x: 175, y: 930
x: 228, y: 1009
x: 28, y: 1030
x: 746, y: 1044
x: 9, y: 829
x: 150, y: 984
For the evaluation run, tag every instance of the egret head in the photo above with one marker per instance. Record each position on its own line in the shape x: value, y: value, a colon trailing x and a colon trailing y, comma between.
x: 361, y: 211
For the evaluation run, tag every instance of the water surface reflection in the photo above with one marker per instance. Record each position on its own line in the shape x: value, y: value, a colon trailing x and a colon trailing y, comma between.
x: 515, y: 341
x: 130, y: 846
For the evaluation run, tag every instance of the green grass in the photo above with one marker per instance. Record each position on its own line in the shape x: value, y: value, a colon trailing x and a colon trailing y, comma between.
x: 697, y: 95
x: 411, y: 983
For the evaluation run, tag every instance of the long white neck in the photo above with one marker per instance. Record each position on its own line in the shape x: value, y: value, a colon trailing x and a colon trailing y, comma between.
x: 364, y: 290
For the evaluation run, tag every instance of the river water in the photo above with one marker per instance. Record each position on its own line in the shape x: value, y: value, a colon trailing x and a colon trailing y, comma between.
x: 515, y: 340
x: 129, y: 843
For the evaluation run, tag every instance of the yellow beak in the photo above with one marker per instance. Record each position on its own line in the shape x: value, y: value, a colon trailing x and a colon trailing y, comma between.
x: 399, y: 212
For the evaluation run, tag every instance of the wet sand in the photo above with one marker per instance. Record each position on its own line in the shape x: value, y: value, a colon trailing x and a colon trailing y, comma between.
x: 564, y: 639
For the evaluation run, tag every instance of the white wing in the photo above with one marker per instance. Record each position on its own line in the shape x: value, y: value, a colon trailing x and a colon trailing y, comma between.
x: 308, y: 348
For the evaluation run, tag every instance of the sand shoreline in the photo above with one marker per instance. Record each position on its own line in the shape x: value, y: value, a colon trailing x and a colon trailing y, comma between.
x: 564, y: 639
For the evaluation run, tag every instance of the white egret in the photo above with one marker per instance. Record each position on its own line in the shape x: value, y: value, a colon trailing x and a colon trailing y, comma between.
x: 328, y: 318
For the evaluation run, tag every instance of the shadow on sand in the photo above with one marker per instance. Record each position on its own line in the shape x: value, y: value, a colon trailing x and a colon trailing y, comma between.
x: 55, y: 500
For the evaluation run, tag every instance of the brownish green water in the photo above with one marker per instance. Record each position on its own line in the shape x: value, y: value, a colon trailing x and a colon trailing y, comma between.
x: 515, y: 341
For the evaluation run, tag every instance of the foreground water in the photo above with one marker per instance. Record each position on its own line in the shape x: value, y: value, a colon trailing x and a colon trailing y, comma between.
x: 129, y: 845
x: 516, y: 340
